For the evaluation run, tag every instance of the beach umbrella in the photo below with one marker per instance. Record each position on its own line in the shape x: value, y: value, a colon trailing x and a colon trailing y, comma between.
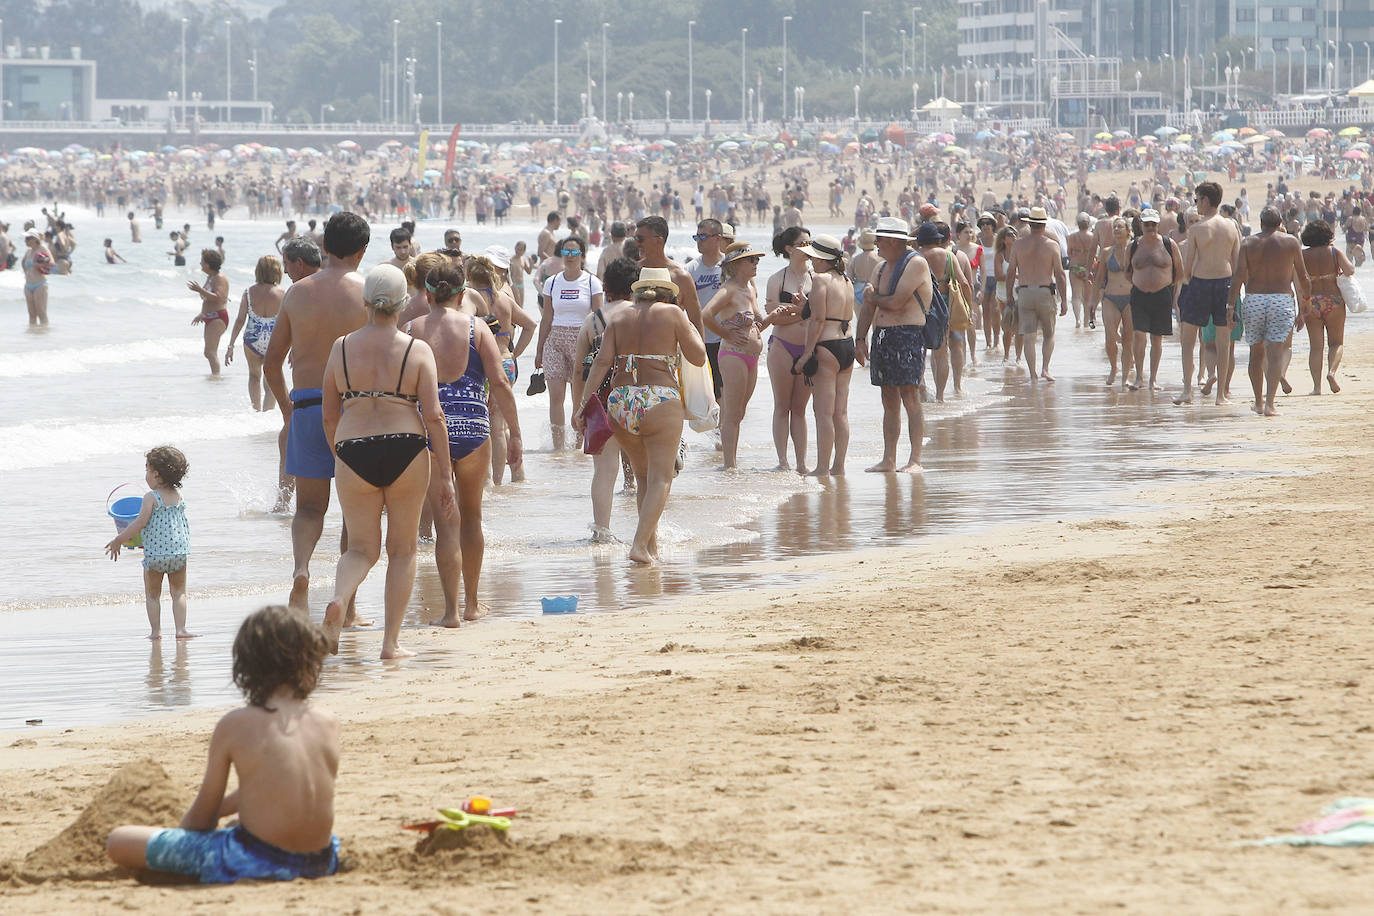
x: 433, y: 173
x: 1184, y: 138
x: 530, y: 168
x: 169, y: 149
x: 728, y: 146
x: 984, y: 135
x: 579, y: 175
x: 894, y: 134
x: 309, y: 151
x: 1318, y: 133
x: 1256, y: 140
x: 1180, y: 147
x: 826, y: 146
x: 1361, y: 145
x: 346, y: 144
x: 1020, y: 134
x: 1223, y: 135
x: 1103, y: 135
x: 28, y: 151
x: 1351, y: 131
x: 1166, y: 131
x: 955, y: 151
x: 1354, y: 154
x: 1064, y: 135
x: 224, y: 154
x: 1104, y: 147
x: 1274, y: 133
x: 1124, y: 143
x: 868, y: 136
x: 943, y: 138
x: 1246, y: 132
x: 1119, y: 134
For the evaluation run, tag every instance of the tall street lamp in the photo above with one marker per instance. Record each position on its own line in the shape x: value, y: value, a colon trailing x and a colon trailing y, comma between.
x: 743, y: 94
x: 228, y: 71
x: 439, y: 71
x: 183, y: 67
x: 556, y: 24
x: 785, y: 20
x: 395, y: 72
x: 691, y: 90
x: 604, y: 27
x: 856, y: 104
x: 863, y: 29
x: 323, y: 109
x: 914, y: 11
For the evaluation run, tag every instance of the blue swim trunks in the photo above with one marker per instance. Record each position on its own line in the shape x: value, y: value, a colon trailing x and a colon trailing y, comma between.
x: 307, y: 450
x: 234, y: 854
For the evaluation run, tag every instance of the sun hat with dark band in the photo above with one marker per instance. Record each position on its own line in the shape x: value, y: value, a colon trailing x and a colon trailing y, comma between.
x: 654, y: 277
x: 892, y: 227
x: 742, y: 253
x: 825, y: 247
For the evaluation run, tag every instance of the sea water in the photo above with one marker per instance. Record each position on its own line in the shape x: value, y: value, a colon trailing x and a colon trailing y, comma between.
x: 120, y: 370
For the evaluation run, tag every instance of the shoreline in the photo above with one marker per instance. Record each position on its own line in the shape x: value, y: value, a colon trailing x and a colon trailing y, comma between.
x: 955, y: 725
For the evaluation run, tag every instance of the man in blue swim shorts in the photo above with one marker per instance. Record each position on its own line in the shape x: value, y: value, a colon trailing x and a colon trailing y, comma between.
x: 895, y: 306
x: 1214, y: 245
x: 314, y: 313
x: 1269, y: 267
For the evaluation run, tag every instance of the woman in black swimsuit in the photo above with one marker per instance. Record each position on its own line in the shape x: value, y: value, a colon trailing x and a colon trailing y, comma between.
x: 376, y: 379
x: 828, y: 360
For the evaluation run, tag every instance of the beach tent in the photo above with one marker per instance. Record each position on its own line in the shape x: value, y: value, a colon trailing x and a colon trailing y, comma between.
x: 1363, y: 93
x: 943, y: 109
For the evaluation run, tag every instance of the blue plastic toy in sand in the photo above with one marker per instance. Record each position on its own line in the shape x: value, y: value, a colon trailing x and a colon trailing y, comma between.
x: 124, y: 511
x: 560, y: 604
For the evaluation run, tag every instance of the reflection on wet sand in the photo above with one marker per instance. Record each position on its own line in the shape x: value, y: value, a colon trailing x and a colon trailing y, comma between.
x: 169, y: 688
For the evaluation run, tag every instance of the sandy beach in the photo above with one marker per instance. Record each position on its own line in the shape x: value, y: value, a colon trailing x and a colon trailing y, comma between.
x: 1067, y: 716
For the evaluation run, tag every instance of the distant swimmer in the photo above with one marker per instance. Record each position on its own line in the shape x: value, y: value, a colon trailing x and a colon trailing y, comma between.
x: 1269, y: 267
x: 895, y: 307
x: 135, y: 236
x: 112, y: 256
x: 316, y: 311
x: 288, y: 235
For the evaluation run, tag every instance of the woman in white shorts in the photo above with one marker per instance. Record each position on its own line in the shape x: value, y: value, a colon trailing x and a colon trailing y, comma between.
x: 565, y: 301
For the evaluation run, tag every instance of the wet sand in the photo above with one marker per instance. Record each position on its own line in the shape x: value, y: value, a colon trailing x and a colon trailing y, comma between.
x: 1063, y: 711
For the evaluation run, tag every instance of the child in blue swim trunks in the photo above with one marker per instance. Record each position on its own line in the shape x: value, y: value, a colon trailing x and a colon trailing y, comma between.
x: 285, y: 752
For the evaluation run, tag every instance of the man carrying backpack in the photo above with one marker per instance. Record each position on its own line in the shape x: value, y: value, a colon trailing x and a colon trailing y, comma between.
x: 1156, y: 273
x: 1034, y: 275
x: 895, y: 305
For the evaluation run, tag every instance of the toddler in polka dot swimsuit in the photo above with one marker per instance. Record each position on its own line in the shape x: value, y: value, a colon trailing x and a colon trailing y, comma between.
x: 166, y: 538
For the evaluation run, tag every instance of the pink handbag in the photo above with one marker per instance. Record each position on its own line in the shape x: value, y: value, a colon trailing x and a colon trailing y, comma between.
x: 597, y: 431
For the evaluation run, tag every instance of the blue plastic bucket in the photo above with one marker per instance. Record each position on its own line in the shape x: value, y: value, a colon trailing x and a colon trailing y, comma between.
x: 559, y: 604
x: 124, y: 511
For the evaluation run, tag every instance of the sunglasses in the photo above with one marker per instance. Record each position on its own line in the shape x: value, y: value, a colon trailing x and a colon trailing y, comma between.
x: 701, y: 236
x: 571, y: 252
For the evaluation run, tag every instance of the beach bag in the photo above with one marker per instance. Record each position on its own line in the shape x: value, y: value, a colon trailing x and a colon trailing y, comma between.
x: 698, y: 395
x: 597, y: 431
x: 960, y: 315
x: 1351, y: 293
x: 937, y: 317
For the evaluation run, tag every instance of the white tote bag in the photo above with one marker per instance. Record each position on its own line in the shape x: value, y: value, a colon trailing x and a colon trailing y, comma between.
x: 1351, y: 293
x: 698, y: 395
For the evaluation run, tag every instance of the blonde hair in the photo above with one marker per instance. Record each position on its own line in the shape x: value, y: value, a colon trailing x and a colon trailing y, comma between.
x: 483, y: 272
x: 418, y: 268
x: 268, y: 270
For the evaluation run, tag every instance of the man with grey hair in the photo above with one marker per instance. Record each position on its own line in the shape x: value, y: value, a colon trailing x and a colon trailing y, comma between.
x: 300, y: 258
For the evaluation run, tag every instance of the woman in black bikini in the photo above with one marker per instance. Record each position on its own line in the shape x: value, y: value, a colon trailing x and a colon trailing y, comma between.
x: 786, y: 296
x: 828, y: 360
x: 379, y: 435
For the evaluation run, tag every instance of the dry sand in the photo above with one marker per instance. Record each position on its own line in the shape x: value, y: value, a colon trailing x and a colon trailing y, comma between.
x: 1070, y: 716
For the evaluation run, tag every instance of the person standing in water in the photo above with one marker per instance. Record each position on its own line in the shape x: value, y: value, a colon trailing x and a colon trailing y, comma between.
x: 214, y: 294
x: 37, y: 264
x: 316, y: 311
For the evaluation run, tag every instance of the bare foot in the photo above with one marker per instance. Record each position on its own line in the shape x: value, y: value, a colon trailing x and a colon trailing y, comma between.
x: 1154, y: 386
x: 782, y: 466
x: 913, y: 467
x: 1186, y: 397
x: 517, y: 475
x: 1111, y: 378
x: 1317, y: 390
x: 882, y: 467
x: 396, y: 652
x: 1331, y: 380
x: 300, y: 593
x: 353, y: 621
x: 641, y: 556
x: 1222, y: 400
x: 803, y: 472
x: 1046, y: 376
x: 1207, y: 386
x: 477, y: 612
x: 1134, y: 386
x: 1283, y: 383
x: 837, y: 470
x: 818, y: 472
x: 283, y: 503
x: 155, y: 636
x: 1034, y: 377
x: 452, y: 621
x: 332, y: 626
x: 1271, y: 411
x: 185, y: 635
x: 1257, y: 407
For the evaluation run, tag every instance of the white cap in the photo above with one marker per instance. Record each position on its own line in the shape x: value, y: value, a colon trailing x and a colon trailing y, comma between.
x: 498, y: 255
x: 385, y: 288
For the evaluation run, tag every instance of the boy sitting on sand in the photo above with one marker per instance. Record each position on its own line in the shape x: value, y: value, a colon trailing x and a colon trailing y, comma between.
x: 286, y: 753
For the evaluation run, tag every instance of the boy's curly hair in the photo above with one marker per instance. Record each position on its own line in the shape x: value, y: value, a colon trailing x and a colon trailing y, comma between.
x: 277, y: 647
x: 170, y: 464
